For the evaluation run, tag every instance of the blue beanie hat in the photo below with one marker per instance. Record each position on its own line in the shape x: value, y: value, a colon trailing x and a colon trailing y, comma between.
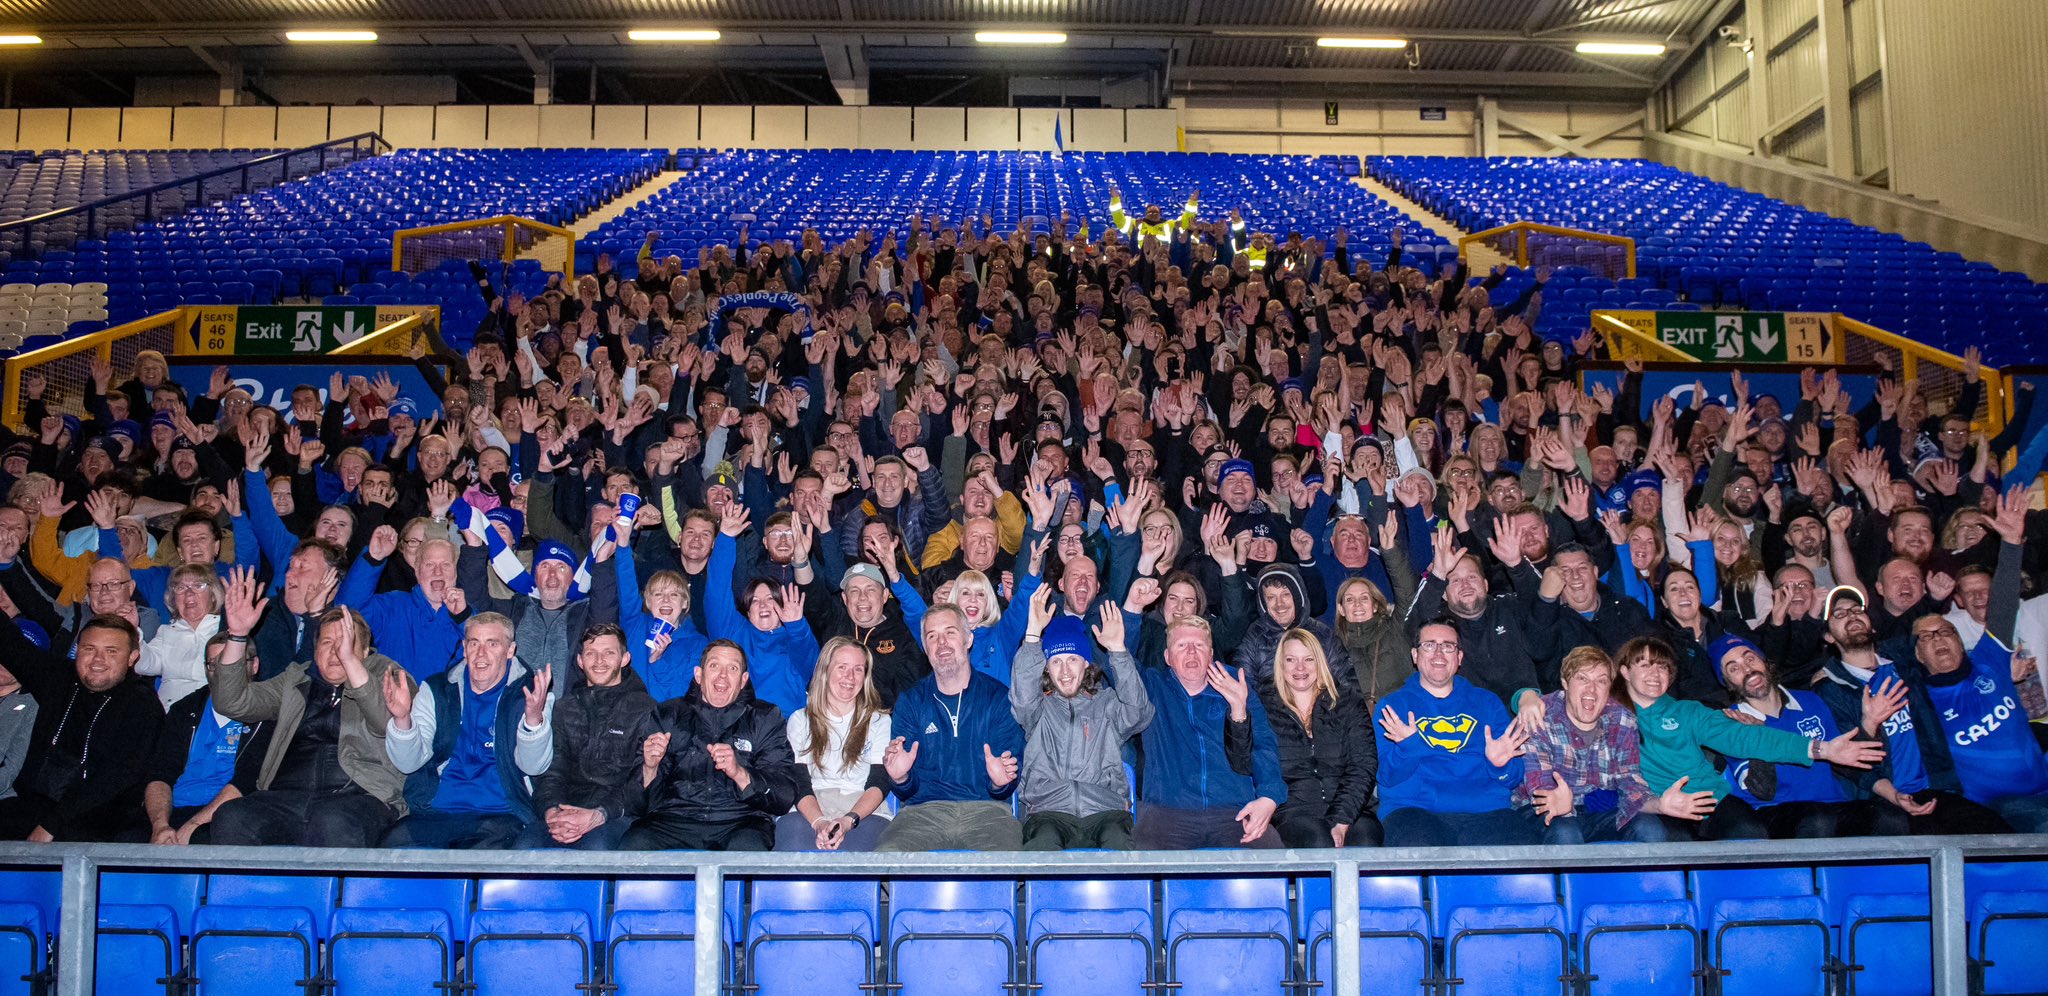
x: 1233, y: 467
x: 34, y: 632
x: 1068, y: 635
x: 513, y: 520
x: 554, y: 550
x: 1726, y: 644
x: 403, y: 406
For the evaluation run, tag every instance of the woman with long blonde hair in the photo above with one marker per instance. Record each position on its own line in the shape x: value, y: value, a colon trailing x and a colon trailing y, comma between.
x: 839, y: 738
x: 1327, y: 755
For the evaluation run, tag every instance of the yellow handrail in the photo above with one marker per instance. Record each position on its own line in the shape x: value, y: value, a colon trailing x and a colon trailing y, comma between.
x: 1620, y: 334
x: 1521, y: 230
x: 510, y: 223
x: 100, y: 343
x: 1912, y: 354
x: 395, y: 339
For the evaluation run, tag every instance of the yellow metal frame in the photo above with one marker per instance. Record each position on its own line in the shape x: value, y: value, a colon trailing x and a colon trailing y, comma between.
x: 1912, y: 354
x: 101, y: 342
x: 1621, y: 334
x: 510, y: 222
x: 395, y: 339
x: 1522, y: 229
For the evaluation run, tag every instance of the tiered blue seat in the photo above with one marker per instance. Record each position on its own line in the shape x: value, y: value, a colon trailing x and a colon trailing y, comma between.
x: 1879, y: 915
x: 952, y: 937
x: 261, y: 934
x: 1634, y: 932
x: 1765, y: 929
x: 1088, y: 935
x: 29, y: 904
x: 1228, y: 935
x: 535, y: 936
x: 144, y: 921
x: 812, y: 936
x: 1393, y: 944
x: 1501, y: 933
x: 2008, y: 922
x: 397, y: 934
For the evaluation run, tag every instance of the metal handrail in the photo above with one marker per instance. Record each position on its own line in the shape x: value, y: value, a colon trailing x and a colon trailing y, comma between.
x: 1945, y: 856
x: 374, y: 138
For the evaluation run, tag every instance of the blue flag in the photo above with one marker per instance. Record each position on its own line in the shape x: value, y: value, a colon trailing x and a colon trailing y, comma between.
x: 1059, y: 142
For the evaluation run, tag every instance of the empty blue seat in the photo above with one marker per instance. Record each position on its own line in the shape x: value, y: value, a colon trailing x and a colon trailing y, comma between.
x: 810, y: 936
x: 952, y: 936
x: 1879, y: 914
x: 1635, y: 932
x: 144, y: 920
x: 1088, y: 935
x: 1501, y: 933
x: 29, y: 908
x: 1228, y: 935
x: 261, y: 934
x: 2008, y: 924
x: 534, y: 936
x: 653, y: 934
x: 1393, y: 944
x: 1765, y: 929
x: 397, y: 934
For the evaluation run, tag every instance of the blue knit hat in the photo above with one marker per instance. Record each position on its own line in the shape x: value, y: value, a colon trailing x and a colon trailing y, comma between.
x: 554, y: 550
x: 1068, y: 635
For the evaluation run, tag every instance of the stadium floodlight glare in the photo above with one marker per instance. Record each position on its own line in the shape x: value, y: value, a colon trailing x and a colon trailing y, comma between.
x: 330, y: 36
x: 21, y: 39
x: 1620, y: 48
x: 1361, y: 43
x: 1021, y: 37
x: 672, y: 35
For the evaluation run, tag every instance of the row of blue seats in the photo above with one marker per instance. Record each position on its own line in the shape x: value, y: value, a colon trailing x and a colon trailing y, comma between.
x: 1777, y: 931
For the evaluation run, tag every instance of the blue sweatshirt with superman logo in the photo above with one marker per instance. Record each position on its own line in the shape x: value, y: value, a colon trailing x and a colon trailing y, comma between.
x: 1442, y: 766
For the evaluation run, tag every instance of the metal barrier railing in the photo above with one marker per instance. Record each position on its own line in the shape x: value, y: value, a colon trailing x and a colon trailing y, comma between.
x: 503, y: 238
x: 1528, y: 243
x: 63, y: 228
x: 1940, y: 373
x: 1945, y: 857
x: 67, y: 366
x: 407, y: 336
x: 1625, y: 342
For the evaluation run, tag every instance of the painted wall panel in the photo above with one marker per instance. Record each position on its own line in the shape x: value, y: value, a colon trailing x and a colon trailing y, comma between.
x: 1152, y: 129
x: 726, y: 127
x: 938, y: 128
x: 249, y: 127
x: 567, y: 125
x: 298, y: 127
x: 991, y: 127
x: 833, y: 127
x: 624, y: 127
x: 1097, y: 129
x: 459, y: 126
x: 1796, y: 76
x: 191, y: 127
x: 512, y: 126
x: 677, y: 126
x: 96, y: 127
x: 141, y: 128
x: 779, y: 126
x: 1036, y: 123
x: 345, y: 121
x: 46, y: 128
x: 885, y: 127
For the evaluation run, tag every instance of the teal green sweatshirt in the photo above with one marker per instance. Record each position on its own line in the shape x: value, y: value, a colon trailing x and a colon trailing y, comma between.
x: 1675, y: 730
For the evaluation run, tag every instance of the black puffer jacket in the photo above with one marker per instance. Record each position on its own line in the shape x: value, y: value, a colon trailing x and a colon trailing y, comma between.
x: 597, y: 735
x: 1331, y: 775
x: 689, y: 786
x: 1262, y: 637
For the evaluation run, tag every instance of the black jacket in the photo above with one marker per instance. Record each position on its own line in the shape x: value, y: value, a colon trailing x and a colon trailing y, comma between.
x: 690, y: 787
x: 1262, y: 637
x: 89, y: 761
x: 898, y: 654
x: 1331, y: 775
x: 598, y: 732
x: 1558, y: 629
x: 1495, y: 644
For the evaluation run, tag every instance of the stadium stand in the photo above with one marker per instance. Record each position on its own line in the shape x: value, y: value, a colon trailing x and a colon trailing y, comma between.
x: 1721, y: 246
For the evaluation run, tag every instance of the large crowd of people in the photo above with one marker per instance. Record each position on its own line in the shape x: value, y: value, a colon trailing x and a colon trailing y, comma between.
x: 1176, y: 535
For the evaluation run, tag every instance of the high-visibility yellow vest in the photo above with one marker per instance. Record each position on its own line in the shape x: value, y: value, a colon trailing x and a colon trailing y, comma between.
x: 1140, y: 228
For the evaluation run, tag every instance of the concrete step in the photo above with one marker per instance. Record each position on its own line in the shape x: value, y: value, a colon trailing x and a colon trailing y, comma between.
x: 550, y: 253
x: 1480, y: 257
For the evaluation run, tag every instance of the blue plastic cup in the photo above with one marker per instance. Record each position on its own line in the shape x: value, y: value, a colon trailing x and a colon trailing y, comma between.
x: 629, y: 505
x: 661, y: 628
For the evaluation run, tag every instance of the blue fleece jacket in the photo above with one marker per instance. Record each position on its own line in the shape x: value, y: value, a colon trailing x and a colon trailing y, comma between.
x: 1190, y: 743
x: 1442, y: 766
x: 669, y: 677
x: 949, y: 732
x: 995, y: 647
x: 424, y: 639
x: 779, y: 662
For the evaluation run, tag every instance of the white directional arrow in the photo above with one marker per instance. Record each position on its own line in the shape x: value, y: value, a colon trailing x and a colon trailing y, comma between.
x: 348, y: 331
x: 1763, y: 336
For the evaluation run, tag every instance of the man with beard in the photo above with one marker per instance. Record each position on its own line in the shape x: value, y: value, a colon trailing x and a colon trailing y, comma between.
x: 549, y: 620
x: 953, y: 764
x: 95, y: 728
x: 1793, y: 801
x: 1075, y: 793
x: 1918, y: 775
x: 1492, y: 629
x: 595, y: 728
x: 863, y: 613
x: 717, y: 767
x: 1803, y: 541
x: 1573, y: 609
x: 420, y: 628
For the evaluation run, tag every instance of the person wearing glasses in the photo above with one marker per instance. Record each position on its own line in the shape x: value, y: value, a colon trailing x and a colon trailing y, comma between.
x: 1449, y: 754
x: 176, y: 656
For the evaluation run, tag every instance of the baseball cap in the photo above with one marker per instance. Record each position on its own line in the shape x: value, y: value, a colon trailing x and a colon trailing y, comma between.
x: 1842, y: 591
x: 863, y: 570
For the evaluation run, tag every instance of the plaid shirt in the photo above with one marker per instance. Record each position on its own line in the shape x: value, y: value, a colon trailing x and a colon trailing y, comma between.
x: 1608, y: 758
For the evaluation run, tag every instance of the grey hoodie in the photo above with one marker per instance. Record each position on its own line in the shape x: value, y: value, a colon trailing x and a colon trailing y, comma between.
x: 1073, y: 747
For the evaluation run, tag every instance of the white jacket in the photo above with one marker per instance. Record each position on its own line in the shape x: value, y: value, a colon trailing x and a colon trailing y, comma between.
x: 177, y: 655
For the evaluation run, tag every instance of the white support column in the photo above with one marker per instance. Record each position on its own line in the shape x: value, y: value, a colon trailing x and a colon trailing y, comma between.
x: 1836, y: 83
x: 1489, y: 127
x: 1759, y: 85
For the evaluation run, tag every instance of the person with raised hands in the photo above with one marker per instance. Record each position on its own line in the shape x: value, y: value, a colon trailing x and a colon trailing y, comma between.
x: 1495, y: 626
x: 1212, y: 775
x: 772, y: 632
x: 1449, y: 754
x: 325, y: 779
x: 661, y: 640
x: 954, y: 759
x: 863, y: 612
x: 422, y: 626
x: 1076, y: 719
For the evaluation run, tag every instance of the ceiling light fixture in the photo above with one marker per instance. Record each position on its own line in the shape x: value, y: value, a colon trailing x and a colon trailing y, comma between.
x: 330, y: 36
x: 1619, y: 48
x: 21, y: 39
x: 1021, y: 37
x: 672, y: 35
x: 1388, y: 43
